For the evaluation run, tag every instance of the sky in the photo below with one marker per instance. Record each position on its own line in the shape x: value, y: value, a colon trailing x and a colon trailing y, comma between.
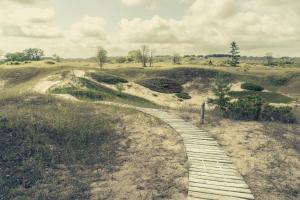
x: 75, y: 28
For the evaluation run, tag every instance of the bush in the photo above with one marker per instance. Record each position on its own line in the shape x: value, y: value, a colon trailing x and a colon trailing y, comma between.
x: 282, y: 114
x: 79, y: 93
x: 161, y: 85
x: 107, y: 78
x: 247, y: 108
x: 50, y: 62
x: 254, y: 108
x: 252, y: 87
x: 278, y: 81
x: 183, y: 95
x: 269, y: 97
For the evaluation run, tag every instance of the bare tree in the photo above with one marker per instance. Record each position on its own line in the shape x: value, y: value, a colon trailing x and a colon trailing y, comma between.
x: 101, y: 56
x: 176, y: 58
x: 143, y: 55
x: 269, y: 57
x: 151, y: 58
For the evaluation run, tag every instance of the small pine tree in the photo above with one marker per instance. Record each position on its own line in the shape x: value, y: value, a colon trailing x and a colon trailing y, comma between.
x: 221, y: 89
x: 234, y: 54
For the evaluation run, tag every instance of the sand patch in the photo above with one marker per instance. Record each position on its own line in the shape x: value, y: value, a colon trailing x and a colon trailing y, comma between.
x: 45, y: 85
x: 79, y: 73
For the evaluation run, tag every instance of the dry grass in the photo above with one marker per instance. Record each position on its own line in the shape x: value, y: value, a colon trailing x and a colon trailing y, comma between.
x: 266, y: 154
x: 155, y: 164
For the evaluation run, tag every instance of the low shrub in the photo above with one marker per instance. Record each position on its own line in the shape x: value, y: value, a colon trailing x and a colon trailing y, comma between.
x: 108, y: 78
x: 282, y: 114
x: 247, y: 108
x: 183, y: 95
x: 79, y: 93
x: 269, y: 97
x: 50, y: 62
x: 254, y: 108
x: 252, y: 87
x: 278, y: 80
x: 162, y: 85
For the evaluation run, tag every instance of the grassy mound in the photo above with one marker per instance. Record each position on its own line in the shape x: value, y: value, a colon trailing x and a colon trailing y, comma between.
x: 108, y: 78
x: 49, y: 148
x: 97, y: 92
x: 162, y: 85
x: 269, y: 97
x: 20, y: 75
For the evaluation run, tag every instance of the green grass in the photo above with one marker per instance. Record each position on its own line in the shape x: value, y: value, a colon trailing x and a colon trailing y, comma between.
x: 96, y: 92
x: 183, y: 95
x: 269, y: 97
x: 162, y: 85
x: 49, y: 148
x: 108, y: 78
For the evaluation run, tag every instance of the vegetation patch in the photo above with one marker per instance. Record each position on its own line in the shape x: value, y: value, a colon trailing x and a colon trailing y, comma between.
x: 162, y: 85
x: 249, y: 106
x: 45, y: 143
x: 94, y: 91
x: 270, y: 97
x: 49, y: 62
x: 79, y: 93
x: 184, y: 74
x: 108, y: 78
x: 252, y: 87
x: 20, y: 75
x: 183, y: 95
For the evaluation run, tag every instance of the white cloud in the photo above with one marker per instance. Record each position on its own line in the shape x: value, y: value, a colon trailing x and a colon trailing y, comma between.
x: 27, y: 21
x: 88, y: 28
x: 140, y: 2
x: 210, y: 26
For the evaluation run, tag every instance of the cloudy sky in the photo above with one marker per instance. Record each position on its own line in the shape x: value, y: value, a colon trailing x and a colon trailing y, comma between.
x: 74, y: 28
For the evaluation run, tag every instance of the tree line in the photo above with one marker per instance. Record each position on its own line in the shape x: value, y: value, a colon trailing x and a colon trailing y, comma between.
x: 145, y: 56
x: 31, y: 54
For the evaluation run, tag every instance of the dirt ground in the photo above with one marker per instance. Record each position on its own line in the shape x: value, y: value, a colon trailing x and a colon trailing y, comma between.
x: 155, y: 164
x: 266, y: 154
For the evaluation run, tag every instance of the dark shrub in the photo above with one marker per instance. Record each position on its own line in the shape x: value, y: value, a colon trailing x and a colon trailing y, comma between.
x: 278, y: 81
x: 282, y: 114
x: 161, y: 85
x: 183, y: 95
x: 252, y: 87
x: 107, y: 78
x: 50, y: 62
x: 269, y: 97
x: 183, y: 74
x: 247, y: 108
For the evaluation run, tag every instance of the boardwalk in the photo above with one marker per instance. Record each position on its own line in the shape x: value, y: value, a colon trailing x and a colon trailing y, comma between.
x: 211, y: 173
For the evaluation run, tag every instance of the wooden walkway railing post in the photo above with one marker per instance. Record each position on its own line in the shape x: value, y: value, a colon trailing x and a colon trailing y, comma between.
x: 202, y: 113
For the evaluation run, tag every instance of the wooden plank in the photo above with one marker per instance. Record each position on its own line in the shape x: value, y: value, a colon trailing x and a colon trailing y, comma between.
x: 218, y: 183
x: 212, y: 196
x: 235, y: 177
x: 216, y: 169
x: 219, y: 187
x: 212, y: 178
x: 211, y: 164
x: 222, y: 192
x: 205, y: 170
